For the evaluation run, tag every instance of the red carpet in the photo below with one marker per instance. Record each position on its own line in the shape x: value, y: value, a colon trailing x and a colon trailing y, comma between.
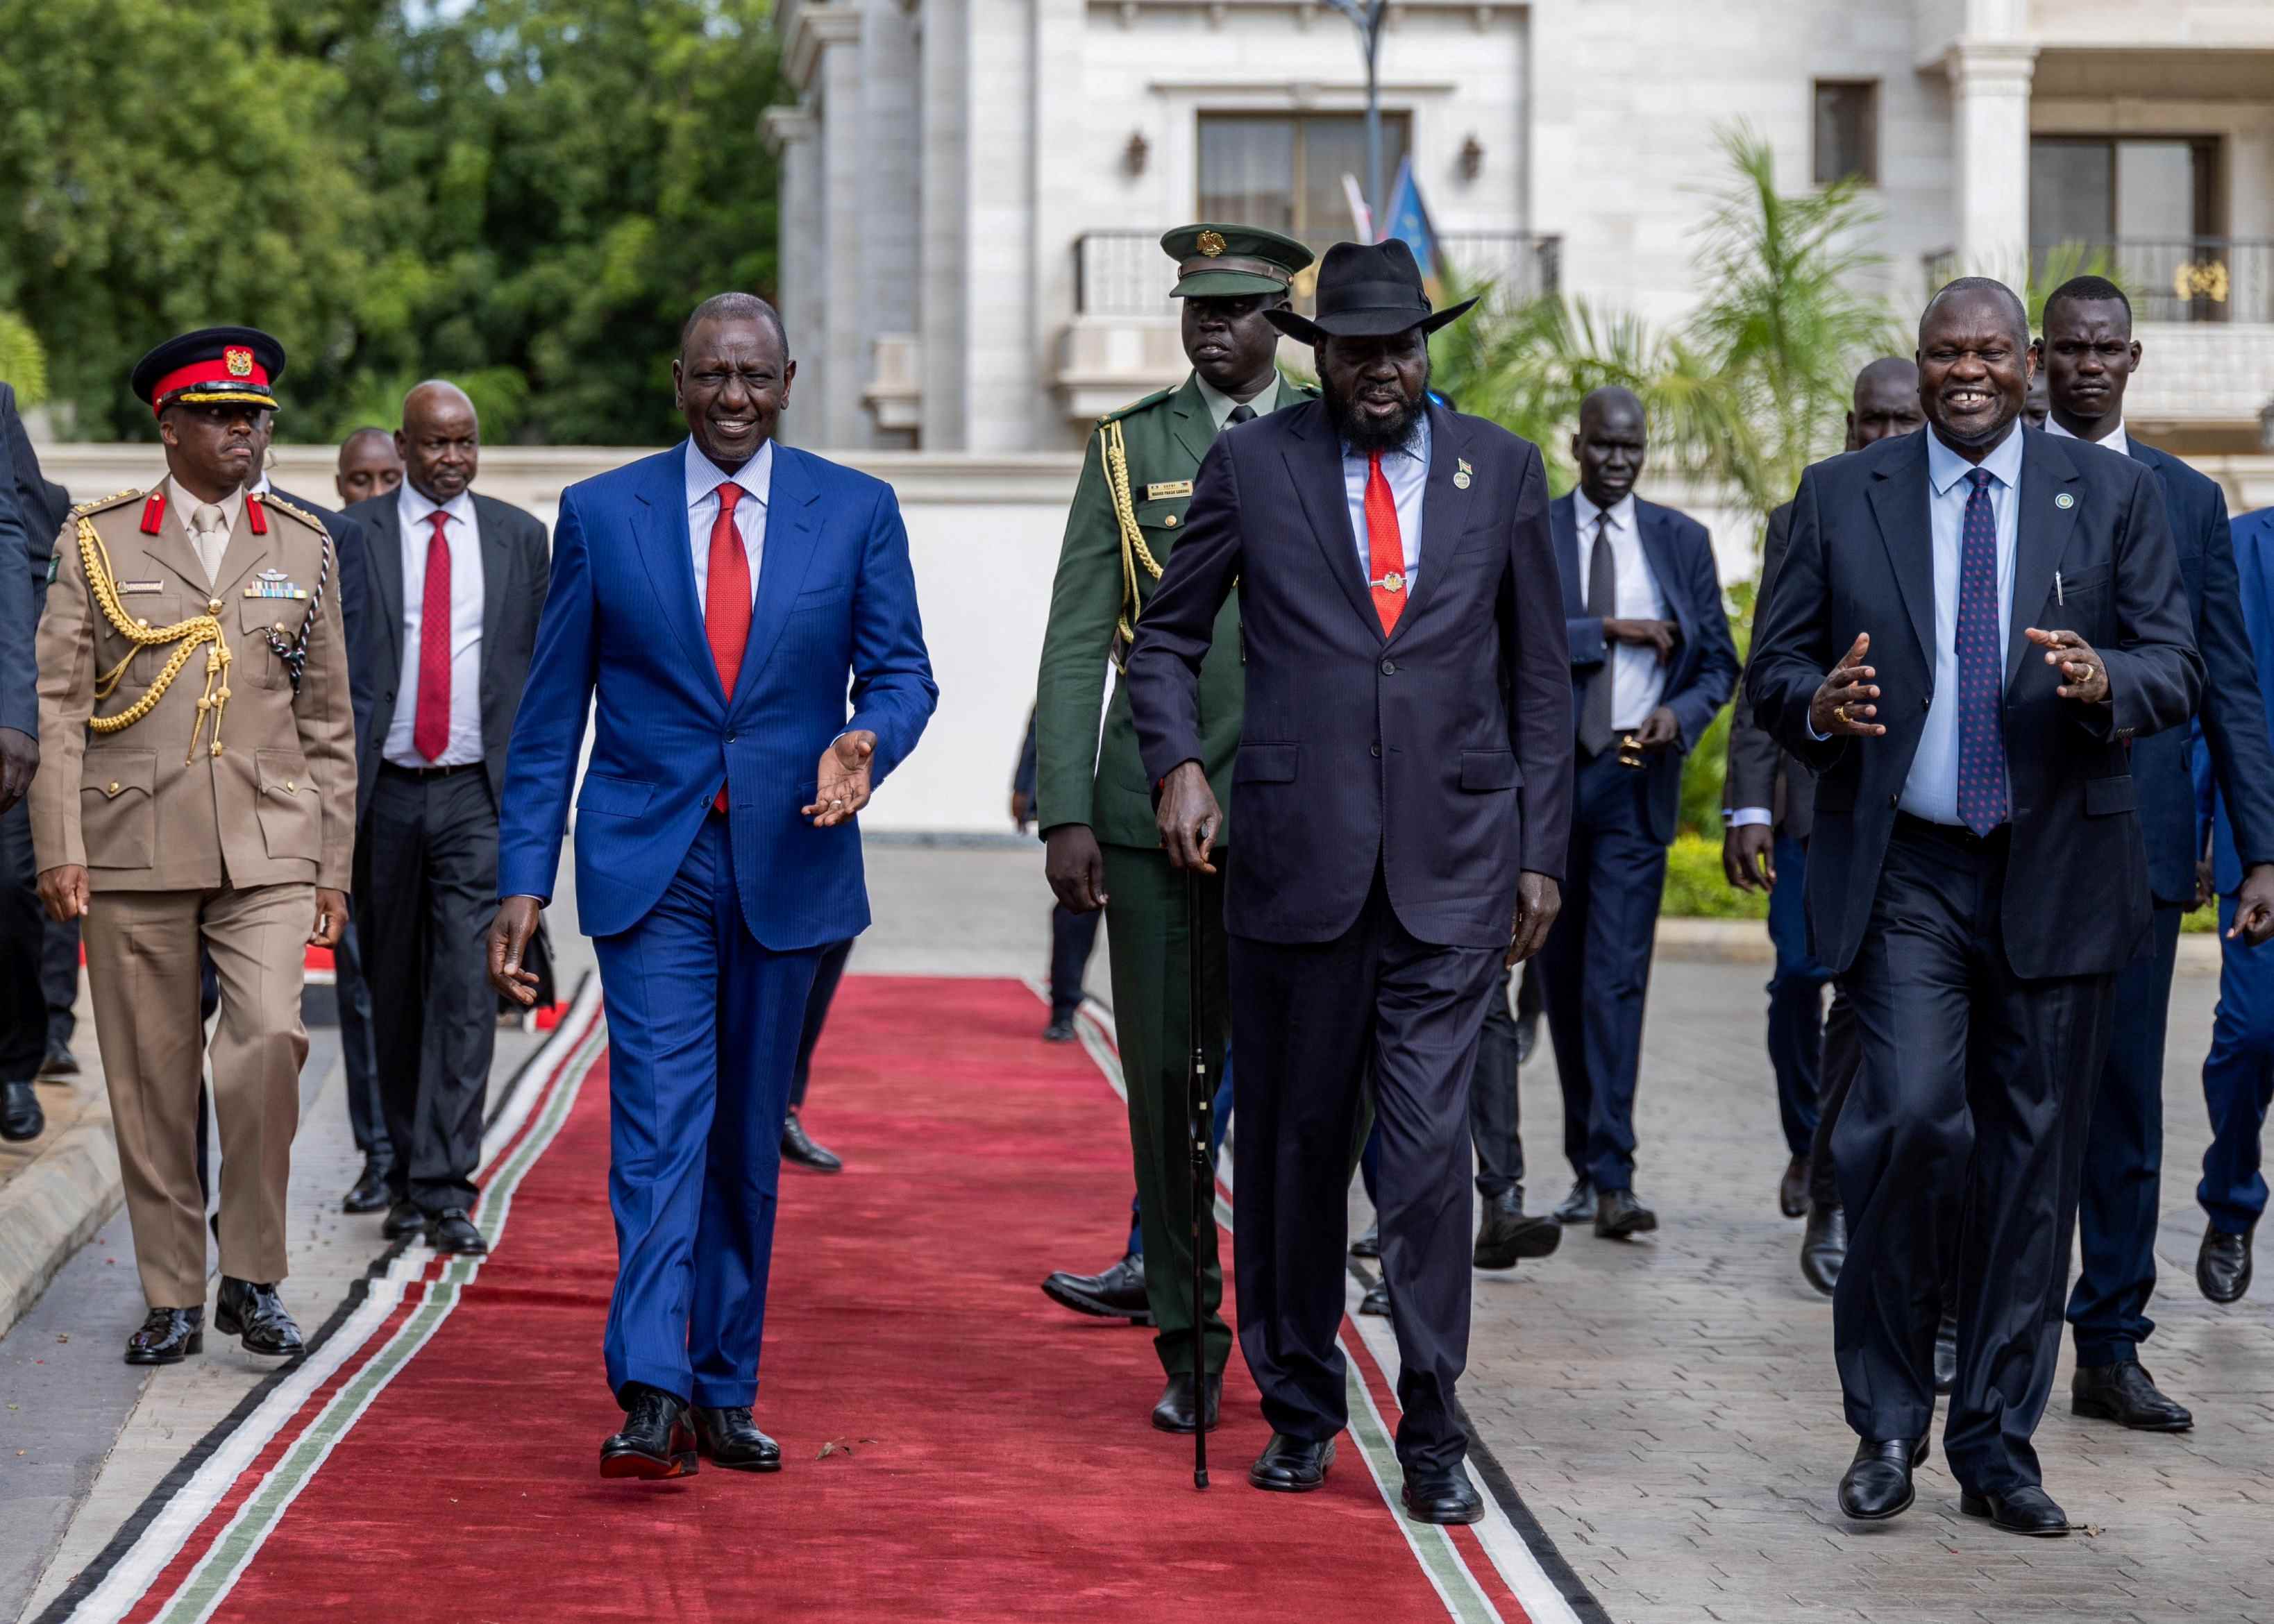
x: 956, y: 1446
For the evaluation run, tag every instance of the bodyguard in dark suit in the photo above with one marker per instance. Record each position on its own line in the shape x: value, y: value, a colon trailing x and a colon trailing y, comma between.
x: 1404, y: 778
x: 1651, y: 662
x: 2088, y: 354
x: 1976, y: 877
x: 456, y: 581
x: 23, y: 1005
x: 1769, y: 805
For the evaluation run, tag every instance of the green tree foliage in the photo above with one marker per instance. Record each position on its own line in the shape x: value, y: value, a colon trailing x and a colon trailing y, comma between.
x: 522, y: 195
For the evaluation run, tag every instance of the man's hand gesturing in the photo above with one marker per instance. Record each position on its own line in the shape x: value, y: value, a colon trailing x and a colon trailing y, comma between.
x: 1846, y: 703
x: 2084, y: 674
x: 842, y: 779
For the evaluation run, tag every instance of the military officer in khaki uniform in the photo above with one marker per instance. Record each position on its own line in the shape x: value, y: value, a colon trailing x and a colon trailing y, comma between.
x: 198, y: 790
x: 1093, y: 803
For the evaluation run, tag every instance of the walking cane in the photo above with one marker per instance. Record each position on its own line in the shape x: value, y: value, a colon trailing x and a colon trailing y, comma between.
x: 1198, y: 1107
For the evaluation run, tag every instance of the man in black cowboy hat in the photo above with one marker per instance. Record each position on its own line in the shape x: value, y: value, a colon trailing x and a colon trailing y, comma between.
x: 1404, y: 776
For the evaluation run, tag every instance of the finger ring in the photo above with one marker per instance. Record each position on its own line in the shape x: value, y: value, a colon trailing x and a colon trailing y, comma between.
x: 1840, y: 712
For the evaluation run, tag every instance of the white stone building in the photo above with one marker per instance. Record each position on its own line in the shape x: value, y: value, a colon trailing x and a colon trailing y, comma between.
x: 972, y: 187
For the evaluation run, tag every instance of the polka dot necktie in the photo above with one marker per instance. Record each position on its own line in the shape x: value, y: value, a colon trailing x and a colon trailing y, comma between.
x: 1981, y: 672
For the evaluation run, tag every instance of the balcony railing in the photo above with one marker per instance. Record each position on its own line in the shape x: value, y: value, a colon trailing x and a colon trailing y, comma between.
x: 1124, y: 273
x: 2179, y: 279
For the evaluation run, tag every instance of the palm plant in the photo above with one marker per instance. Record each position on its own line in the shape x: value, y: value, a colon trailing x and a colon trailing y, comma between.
x: 23, y: 361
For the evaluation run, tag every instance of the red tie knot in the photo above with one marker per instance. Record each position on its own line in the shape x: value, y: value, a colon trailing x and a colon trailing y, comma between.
x: 438, y: 519
x: 729, y: 493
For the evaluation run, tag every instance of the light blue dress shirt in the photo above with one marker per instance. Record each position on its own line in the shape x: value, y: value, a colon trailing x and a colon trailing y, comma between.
x: 1930, y: 792
x: 1407, y: 470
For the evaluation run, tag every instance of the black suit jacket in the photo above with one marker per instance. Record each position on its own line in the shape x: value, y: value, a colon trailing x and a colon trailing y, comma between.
x: 1860, y: 559
x: 20, y: 614
x: 1705, y: 665
x: 1759, y: 772
x: 516, y: 568
x: 2234, y: 711
x: 1443, y: 754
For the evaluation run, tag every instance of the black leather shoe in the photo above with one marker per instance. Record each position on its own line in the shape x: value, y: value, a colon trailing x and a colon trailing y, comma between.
x: 1619, y: 1216
x: 60, y: 1062
x: 1368, y: 1244
x: 402, y: 1218
x: 2026, y: 1510
x: 20, y: 1115
x: 370, y: 1192
x: 1507, y: 1234
x: 1376, y: 1301
x: 255, y: 1316
x: 1792, y: 1189
x: 1441, y: 1496
x: 1291, y: 1466
x: 1174, y: 1412
x: 2223, y: 1264
x: 1528, y: 1038
x: 1877, y: 1485
x: 451, y: 1231
x: 1579, y: 1206
x: 1060, y: 1030
x: 2125, y: 1393
x: 657, y: 1442
x: 167, y: 1336
x: 730, y: 1438
x: 1117, y: 1294
x: 802, y: 1151
x: 1946, y: 1353
x: 1824, y: 1247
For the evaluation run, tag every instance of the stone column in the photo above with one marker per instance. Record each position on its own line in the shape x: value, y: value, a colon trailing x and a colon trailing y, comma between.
x: 795, y: 134
x: 942, y: 211
x: 1990, y: 128
x: 842, y: 354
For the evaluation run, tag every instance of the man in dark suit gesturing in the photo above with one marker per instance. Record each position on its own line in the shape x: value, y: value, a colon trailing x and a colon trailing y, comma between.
x: 455, y: 583
x: 1652, y: 662
x: 2000, y: 613
x: 1404, y: 780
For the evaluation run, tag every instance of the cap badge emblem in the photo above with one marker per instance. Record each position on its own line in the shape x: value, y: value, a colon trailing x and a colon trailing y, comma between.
x: 239, y: 361
x: 1211, y: 244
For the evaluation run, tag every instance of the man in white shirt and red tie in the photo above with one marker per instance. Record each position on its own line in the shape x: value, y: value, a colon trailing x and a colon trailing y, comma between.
x: 455, y: 583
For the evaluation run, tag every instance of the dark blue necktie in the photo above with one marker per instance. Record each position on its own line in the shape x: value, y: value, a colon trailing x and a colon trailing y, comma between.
x: 1981, y: 672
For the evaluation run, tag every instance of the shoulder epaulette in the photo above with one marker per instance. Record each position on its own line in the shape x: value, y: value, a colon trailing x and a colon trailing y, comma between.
x: 1119, y: 412
x: 271, y: 502
x: 86, y: 509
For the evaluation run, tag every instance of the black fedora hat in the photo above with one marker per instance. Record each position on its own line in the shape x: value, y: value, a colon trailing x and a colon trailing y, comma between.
x: 1366, y: 290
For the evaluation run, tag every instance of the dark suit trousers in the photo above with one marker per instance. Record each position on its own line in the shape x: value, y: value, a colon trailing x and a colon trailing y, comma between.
x: 2238, y: 1078
x: 429, y: 862
x: 1309, y: 1020
x: 826, y: 975
x: 59, y: 980
x: 1795, y: 1001
x: 1843, y: 1058
x: 23, y: 1001
x: 1596, y: 965
x: 1073, y: 935
x: 2124, y: 1159
x: 366, y: 1116
x: 1496, y: 1117
x: 1966, y: 1123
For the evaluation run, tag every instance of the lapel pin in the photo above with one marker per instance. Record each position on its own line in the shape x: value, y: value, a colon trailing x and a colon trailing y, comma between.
x: 1461, y: 474
x: 2064, y: 501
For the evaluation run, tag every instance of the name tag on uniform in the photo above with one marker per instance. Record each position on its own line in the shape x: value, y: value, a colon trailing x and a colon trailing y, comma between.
x: 136, y: 586
x: 1174, y: 487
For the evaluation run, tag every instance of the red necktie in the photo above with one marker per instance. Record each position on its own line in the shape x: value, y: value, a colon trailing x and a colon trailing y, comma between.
x: 430, y: 727
x: 726, y: 601
x: 1385, y: 548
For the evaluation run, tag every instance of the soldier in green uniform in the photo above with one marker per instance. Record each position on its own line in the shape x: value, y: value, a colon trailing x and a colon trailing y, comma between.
x: 1092, y: 802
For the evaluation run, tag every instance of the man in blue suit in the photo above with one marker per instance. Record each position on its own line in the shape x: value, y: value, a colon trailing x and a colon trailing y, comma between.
x: 2239, y: 1072
x: 2088, y: 354
x: 710, y: 603
x: 1652, y: 661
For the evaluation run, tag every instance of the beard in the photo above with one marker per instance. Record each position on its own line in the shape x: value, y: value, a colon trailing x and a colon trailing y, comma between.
x: 1367, y: 435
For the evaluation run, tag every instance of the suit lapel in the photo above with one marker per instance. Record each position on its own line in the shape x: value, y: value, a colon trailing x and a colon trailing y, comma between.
x: 385, y: 552
x: 496, y: 561
x: 2044, y: 531
x: 1658, y: 553
x: 1444, y: 513
x: 782, y: 565
x: 1315, y: 462
x: 1563, y: 530
x: 1899, y: 501
x: 1190, y: 422
x: 659, y: 530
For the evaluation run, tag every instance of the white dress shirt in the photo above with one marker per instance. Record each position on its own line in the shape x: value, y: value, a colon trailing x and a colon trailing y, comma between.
x: 1930, y: 792
x: 1220, y: 405
x: 462, y: 531
x: 2116, y: 440
x: 1407, y: 470
x: 704, y: 478
x: 1638, y: 680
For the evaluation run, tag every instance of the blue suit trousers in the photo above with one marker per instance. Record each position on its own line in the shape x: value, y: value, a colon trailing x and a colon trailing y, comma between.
x: 2237, y: 1082
x: 703, y: 1036
x: 1795, y: 1001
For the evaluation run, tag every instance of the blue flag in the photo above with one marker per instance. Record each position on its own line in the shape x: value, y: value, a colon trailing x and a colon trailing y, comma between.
x: 1407, y: 219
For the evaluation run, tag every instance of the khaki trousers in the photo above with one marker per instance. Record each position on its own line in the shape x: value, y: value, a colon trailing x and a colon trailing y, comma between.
x: 142, y: 971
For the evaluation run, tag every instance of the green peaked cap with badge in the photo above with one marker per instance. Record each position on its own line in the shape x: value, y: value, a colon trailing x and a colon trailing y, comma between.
x: 1233, y: 262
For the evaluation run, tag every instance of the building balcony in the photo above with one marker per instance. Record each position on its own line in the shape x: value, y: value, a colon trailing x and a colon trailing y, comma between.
x: 2188, y: 280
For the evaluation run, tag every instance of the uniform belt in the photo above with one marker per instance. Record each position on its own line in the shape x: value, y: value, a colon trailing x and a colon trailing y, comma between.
x: 428, y: 772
